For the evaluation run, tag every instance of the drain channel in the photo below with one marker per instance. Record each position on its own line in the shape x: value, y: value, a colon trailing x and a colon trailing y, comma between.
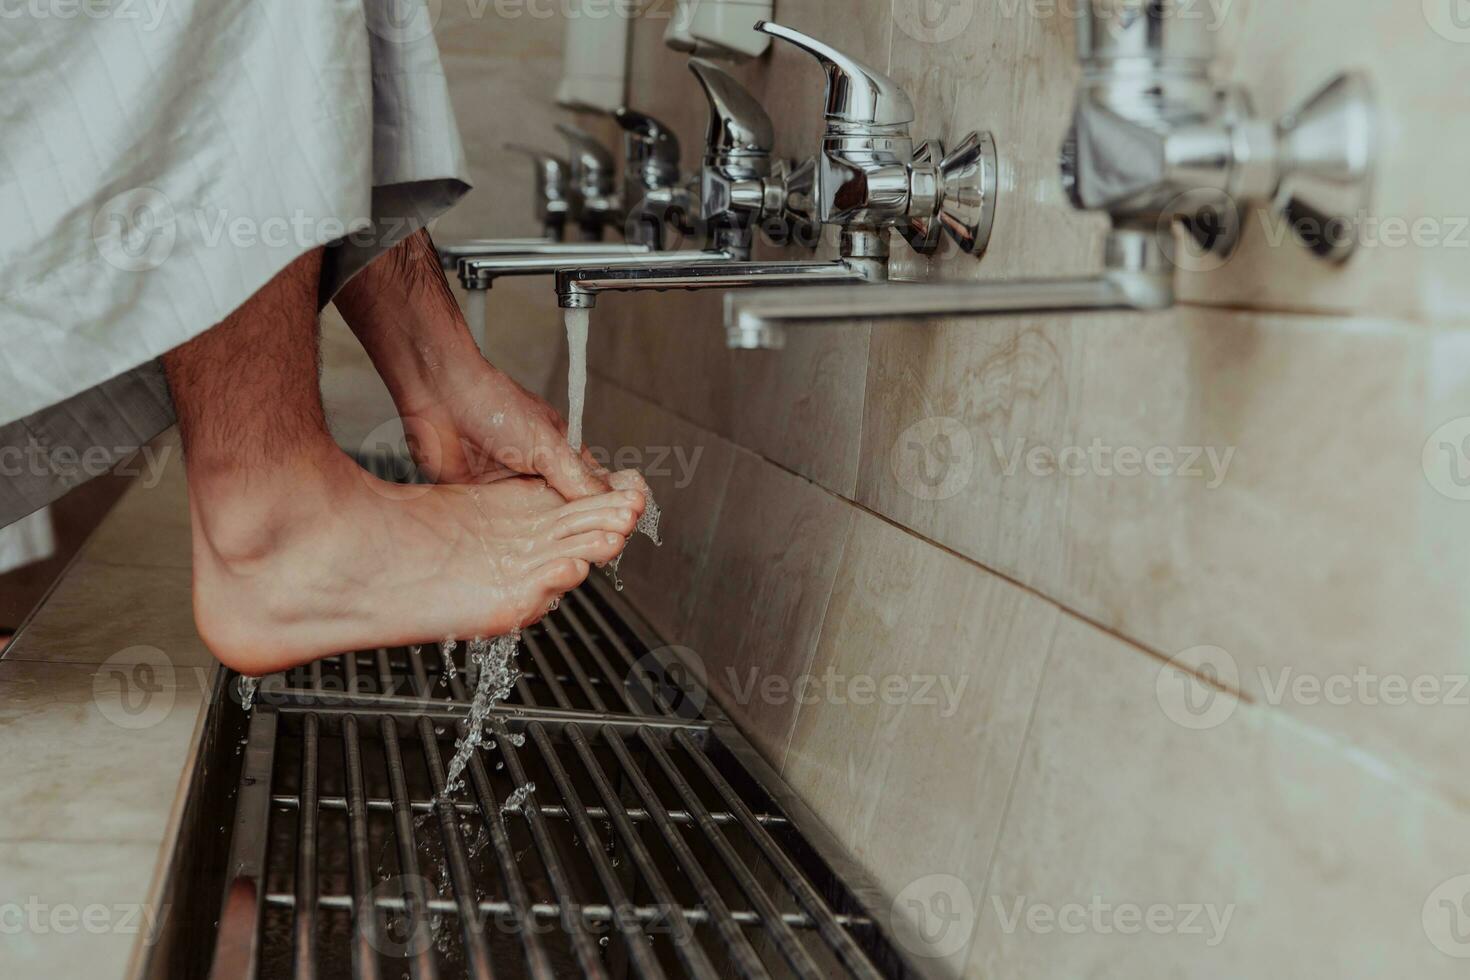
x: 656, y: 842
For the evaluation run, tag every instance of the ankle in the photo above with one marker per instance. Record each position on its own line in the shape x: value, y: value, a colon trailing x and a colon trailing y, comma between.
x: 245, y: 514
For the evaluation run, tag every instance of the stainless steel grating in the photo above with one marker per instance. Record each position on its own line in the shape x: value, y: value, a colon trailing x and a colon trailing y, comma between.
x: 656, y: 842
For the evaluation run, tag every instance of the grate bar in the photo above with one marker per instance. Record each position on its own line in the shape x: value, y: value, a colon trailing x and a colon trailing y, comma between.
x: 306, y: 889
x: 583, y: 681
x: 460, y: 878
x: 364, y: 926
x: 776, y: 927
x: 690, y: 953
x: 544, y: 670
x: 494, y: 823
x: 594, y: 913
x: 421, y: 963
x: 838, y: 938
x: 615, y: 683
x: 633, y: 937
x: 572, y: 919
x: 287, y: 801
x: 729, y: 928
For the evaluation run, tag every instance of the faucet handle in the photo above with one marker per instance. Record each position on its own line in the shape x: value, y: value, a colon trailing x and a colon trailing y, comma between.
x: 553, y: 187
x: 551, y: 170
x: 649, y: 140
x: 856, y: 94
x: 739, y: 126
x: 592, y: 164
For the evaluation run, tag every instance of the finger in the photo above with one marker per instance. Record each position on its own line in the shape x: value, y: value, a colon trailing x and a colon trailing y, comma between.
x: 616, y: 499
x: 571, y: 477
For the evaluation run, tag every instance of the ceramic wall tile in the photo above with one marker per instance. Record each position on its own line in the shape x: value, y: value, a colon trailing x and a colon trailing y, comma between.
x: 913, y: 713
x: 688, y: 470
x: 1284, y: 516
x: 763, y: 593
x: 1136, y: 845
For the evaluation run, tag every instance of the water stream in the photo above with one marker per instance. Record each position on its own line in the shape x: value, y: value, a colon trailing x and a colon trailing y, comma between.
x: 476, y: 314
x: 577, y: 328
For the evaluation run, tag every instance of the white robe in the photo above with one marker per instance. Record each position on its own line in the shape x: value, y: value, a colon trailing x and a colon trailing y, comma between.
x: 161, y: 160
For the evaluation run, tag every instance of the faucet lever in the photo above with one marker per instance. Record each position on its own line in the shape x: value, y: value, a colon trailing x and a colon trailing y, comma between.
x: 553, y: 187
x: 739, y: 126
x: 592, y: 169
x: 592, y: 164
x: 651, y: 145
x: 857, y: 95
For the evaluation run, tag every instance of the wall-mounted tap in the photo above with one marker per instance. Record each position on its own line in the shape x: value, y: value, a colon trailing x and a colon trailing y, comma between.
x: 553, y: 176
x: 1154, y: 143
x: 871, y: 176
x: 1154, y: 139
x: 593, y: 172
x: 655, y: 194
x: 741, y: 188
x: 867, y: 180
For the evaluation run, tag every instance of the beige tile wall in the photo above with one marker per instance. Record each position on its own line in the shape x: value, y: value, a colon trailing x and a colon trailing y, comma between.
x: 863, y: 508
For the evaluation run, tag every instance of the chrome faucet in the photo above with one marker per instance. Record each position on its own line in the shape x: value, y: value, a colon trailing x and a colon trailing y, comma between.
x: 1154, y: 144
x: 868, y: 180
x: 558, y: 204
x: 871, y: 177
x: 741, y: 189
x: 592, y: 178
x: 654, y: 192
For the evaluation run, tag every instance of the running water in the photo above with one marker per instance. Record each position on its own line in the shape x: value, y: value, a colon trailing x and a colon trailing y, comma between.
x: 248, y: 687
x: 577, y: 327
x: 517, y: 799
x: 446, y: 653
x: 493, y: 661
x: 476, y: 315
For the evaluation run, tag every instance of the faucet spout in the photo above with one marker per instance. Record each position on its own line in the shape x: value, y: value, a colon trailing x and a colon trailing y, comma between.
x: 481, y: 271
x: 578, y: 289
x: 1137, y: 277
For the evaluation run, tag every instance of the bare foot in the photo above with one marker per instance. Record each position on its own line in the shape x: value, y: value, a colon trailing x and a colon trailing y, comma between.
x: 294, y: 565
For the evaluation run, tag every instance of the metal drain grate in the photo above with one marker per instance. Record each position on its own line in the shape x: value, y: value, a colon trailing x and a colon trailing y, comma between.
x: 656, y: 842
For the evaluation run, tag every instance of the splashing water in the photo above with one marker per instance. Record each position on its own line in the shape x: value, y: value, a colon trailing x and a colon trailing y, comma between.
x: 494, y: 663
x: 517, y: 799
x: 447, y: 647
x: 578, y: 322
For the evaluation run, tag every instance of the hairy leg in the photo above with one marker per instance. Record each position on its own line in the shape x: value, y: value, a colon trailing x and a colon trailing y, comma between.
x: 298, y: 553
x: 466, y: 418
